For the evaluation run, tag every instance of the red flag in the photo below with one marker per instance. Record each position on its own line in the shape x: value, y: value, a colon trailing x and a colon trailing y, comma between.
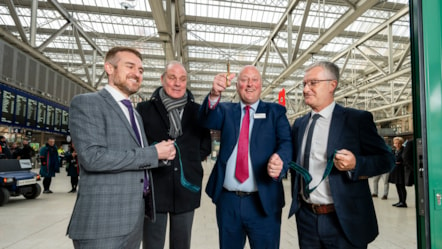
x: 281, y: 97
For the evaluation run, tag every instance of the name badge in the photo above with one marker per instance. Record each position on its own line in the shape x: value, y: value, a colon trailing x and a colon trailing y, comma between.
x: 259, y: 116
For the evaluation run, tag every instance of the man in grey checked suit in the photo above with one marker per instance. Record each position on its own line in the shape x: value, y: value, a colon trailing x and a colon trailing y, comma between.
x: 110, y: 207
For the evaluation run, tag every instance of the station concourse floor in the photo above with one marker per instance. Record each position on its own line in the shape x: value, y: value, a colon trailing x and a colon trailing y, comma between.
x: 41, y: 223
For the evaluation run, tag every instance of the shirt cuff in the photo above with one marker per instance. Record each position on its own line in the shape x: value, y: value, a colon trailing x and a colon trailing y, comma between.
x: 213, y: 102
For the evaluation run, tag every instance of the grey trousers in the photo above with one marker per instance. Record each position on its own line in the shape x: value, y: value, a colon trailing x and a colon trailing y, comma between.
x: 130, y: 241
x: 376, y: 183
x: 180, y: 231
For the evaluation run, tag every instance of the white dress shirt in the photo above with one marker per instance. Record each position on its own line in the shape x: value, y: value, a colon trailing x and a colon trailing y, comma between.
x: 119, y: 97
x: 318, y: 156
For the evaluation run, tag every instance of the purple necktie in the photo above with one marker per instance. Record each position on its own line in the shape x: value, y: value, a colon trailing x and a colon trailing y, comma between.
x: 127, y: 103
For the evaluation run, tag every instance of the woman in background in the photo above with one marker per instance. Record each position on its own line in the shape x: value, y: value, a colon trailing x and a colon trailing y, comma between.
x: 72, y: 167
x: 397, y: 176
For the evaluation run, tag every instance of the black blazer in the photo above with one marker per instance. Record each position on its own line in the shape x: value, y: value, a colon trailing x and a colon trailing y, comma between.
x: 194, y: 146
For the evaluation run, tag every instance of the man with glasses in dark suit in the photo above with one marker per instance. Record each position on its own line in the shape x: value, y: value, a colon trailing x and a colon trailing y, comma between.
x: 336, y: 150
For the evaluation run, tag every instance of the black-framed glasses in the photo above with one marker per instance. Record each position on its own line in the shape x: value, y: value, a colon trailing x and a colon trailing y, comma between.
x: 312, y: 83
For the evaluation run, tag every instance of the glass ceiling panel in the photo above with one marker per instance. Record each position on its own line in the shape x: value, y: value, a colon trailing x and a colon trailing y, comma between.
x: 217, y: 31
x: 140, y: 5
x: 251, y: 11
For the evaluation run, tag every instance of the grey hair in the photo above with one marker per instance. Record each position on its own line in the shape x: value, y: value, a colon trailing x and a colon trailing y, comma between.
x: 170, y: 63
x: 328, y: 66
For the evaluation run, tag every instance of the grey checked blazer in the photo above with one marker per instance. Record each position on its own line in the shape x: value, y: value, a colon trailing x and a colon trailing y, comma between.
x: 110, y: 198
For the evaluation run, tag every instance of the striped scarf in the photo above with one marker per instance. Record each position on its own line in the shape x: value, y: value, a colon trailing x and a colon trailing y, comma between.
x: 173, y: 107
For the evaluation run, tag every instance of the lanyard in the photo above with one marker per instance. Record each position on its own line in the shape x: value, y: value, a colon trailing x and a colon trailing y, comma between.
x: 184, y: 182
x: 306, y: 175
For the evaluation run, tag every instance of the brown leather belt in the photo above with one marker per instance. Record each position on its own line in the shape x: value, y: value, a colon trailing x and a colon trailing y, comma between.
x: 320, y: 208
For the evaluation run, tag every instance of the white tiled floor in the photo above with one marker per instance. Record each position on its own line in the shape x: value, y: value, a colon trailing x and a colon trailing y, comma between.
x: 41, y: 223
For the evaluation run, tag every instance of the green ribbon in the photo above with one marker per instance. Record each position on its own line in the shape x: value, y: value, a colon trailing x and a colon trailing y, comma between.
x: 192, y: 187
x: 306, y: 175
x: 184, y: 182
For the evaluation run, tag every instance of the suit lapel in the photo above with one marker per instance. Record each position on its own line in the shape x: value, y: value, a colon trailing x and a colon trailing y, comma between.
x: 337, y: 126
x: 116, y: 108
x: 237, y: 120
x: 257, y: 123
x: 140, y: 122
x: 300, y: 136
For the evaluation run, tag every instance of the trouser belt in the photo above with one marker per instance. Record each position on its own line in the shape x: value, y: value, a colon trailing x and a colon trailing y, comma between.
x: 319, y: 208
x: 241, y: 193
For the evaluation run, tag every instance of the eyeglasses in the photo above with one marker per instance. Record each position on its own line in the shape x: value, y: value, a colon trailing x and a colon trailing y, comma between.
x: 311, y: 83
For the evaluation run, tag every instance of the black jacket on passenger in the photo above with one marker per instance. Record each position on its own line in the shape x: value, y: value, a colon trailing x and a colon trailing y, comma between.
x: 194, y: 146
x: 397, y: 175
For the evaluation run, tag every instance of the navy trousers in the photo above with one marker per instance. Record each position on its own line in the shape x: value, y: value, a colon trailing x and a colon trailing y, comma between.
x: 239, y: 217
x: 320, y: 231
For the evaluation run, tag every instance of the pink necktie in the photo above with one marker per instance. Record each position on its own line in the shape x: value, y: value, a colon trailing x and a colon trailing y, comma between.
x: 242, y: 157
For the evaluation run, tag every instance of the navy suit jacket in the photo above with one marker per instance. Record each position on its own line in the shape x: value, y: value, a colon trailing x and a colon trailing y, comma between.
x: 269, y: 135
x: 355, y: 131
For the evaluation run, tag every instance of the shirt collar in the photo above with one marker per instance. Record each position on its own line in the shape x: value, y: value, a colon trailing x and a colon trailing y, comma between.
x: 116, y: 94
x: 326, y: 112
x: 253, y: 106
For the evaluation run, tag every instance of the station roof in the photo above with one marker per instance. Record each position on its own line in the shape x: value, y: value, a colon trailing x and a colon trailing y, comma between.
x: 368, y: 39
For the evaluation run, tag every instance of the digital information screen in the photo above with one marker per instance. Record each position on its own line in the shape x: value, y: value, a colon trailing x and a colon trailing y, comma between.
x: 8, y: 101
x: 20, y: 109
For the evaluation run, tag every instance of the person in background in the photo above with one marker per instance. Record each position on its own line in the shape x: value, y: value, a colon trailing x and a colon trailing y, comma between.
x: 5, y: 153
x: 246, y: 181
x: 397, y: 176
x: 14, y: 149
x: 72, y: 167
x: 171, y: 113
x: 26, y: 152
x: 114, y: 158
x: 408, y: 156
x: 49, y: 164
x: 376, y: 179
x: 334, y: 208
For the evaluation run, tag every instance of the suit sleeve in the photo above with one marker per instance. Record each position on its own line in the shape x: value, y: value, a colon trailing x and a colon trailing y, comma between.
x: 100, y: 140
x: 375, y: 157
x: 283, y: 140
x: 211, y: 118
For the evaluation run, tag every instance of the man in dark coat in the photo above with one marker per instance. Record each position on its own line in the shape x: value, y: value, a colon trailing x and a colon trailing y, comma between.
x: 26, y: 152
x: 171, y: 113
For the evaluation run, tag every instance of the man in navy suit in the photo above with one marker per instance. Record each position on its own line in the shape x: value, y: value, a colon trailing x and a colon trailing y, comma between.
x: 339, y: 211
x: 247, y: 206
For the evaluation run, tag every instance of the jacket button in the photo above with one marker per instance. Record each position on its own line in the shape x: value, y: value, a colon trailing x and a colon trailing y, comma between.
x: 141, y: 180
x: 176, y: 169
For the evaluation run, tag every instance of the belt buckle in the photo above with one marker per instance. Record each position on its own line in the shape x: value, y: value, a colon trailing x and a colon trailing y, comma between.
x: 314, y: 207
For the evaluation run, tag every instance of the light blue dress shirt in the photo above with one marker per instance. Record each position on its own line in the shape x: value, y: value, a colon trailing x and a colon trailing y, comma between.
x: 230, y: 181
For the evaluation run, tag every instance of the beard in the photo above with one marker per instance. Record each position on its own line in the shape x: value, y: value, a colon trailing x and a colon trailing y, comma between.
x: 126, y: 85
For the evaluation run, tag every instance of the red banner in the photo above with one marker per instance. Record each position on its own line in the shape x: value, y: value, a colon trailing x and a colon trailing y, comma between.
x: 281, y: 97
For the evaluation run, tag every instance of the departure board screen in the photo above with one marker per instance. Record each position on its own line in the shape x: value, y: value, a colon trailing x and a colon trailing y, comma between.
x: 57, y: 121
x: 8, y: 101
x: 50, y: 117
x: 65, y: 122
x: 20, y: 110
x: 41, y: 115
x: 31, y: 117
